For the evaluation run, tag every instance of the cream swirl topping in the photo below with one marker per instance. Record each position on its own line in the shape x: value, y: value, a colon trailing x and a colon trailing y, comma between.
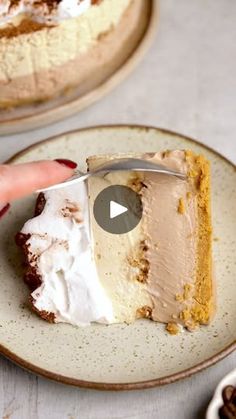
x: 42, y: 11
x: 61, y: 250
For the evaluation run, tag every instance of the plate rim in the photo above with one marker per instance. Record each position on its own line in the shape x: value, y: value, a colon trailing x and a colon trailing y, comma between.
x: 19, y: 125
x: 140, y: 385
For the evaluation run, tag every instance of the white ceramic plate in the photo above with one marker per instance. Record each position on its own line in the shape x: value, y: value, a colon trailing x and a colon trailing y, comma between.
x: 119, y: 356
x: 217, y: 400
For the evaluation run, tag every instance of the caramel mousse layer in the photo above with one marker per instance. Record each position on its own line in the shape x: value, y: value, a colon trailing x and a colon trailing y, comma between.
x: 171, y: 237
x: 80, y: 53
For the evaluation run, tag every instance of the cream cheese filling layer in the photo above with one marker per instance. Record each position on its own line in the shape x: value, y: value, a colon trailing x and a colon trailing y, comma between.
x: 62, y: 252
x: 49, y: 47
x: 118, y: 256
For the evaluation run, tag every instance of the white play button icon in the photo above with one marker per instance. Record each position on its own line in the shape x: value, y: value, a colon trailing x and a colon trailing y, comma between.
x: 116, y: 209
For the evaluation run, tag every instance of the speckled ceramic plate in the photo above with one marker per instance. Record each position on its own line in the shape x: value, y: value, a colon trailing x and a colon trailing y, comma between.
x: 119, y: 356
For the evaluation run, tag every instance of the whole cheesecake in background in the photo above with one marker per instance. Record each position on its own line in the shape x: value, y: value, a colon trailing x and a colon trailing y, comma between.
x: 161, y: 270
x: 49, y: 47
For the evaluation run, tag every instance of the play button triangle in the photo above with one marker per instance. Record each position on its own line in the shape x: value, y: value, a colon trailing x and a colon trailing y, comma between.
x: 116, y: 209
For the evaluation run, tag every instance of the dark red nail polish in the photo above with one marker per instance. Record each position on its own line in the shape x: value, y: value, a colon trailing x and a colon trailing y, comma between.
x: 68, y: 163
x: 4, y: 210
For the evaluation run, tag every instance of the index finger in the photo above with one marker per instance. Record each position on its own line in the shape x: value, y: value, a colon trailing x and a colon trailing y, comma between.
x: 22, y: 179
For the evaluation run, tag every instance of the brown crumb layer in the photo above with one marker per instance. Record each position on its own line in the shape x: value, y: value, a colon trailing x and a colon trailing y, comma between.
x: 173, y: 328
x: 144, y: 312
x: 27, y: 25
x: 181, y: 206
x: 139, y: 261
x: 40, y: 204
x: 204, y: 306
x: 45, y: 315
x: 31, y: 277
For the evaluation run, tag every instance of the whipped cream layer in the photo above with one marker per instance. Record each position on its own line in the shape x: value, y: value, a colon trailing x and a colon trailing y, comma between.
x: 42, y: 11
x: 60, y: 249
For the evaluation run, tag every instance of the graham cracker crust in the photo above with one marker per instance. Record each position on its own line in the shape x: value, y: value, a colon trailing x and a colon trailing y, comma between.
x: 204, y: 297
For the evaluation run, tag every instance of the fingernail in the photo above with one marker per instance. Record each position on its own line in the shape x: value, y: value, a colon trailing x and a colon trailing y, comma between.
x: 68, y: 163
x: 4, y: 210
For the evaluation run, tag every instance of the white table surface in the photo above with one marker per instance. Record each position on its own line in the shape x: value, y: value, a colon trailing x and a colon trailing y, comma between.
x: 187, y: 83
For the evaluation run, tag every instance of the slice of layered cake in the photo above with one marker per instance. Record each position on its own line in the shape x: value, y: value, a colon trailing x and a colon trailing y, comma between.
x: 48, y: 47
x: 161, y: 269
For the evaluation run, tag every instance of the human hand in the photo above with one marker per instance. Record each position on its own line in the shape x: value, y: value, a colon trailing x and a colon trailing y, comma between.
x: 20, y: 180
